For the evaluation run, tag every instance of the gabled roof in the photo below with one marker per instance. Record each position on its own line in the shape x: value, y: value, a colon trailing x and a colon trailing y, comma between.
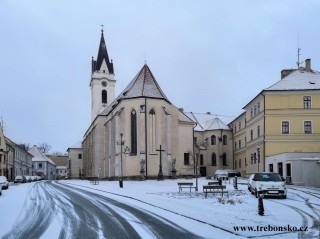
x: 143, y: 85
x: 102, y: 55
x: 299, y: 79
x: 207, y: 121
x: 39, y: 156
x: 59, y: 160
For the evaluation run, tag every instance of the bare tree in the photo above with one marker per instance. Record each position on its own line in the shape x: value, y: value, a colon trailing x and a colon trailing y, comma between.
x: 44, y: 147
x: 25, y: 146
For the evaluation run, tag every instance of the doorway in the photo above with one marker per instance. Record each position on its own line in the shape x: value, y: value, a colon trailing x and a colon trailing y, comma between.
x: 280, y: 169
x: 203, y: 171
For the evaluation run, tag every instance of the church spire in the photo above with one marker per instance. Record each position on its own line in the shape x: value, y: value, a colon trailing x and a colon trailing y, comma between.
x: 102, y: 56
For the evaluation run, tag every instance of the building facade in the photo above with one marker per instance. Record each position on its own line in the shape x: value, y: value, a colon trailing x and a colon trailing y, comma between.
x: 43, y: 166
x: 139, y: 133
x: 213, y: 143
x: 75, y: 155
x: 282, y: 128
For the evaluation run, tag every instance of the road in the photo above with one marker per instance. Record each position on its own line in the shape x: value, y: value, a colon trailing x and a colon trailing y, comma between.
x: 58, y: 211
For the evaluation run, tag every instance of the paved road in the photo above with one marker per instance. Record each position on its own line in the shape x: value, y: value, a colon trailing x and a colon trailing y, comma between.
x: 74, y: 213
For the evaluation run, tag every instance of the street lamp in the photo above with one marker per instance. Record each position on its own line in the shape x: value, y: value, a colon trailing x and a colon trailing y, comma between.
x: 126, y: 151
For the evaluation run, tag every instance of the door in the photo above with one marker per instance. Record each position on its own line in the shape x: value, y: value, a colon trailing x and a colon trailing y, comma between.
x: 203, y: 171
x: 280, y: 169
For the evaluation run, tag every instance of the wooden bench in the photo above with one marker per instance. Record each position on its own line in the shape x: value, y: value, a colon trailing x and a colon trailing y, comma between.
x: 185, y: 185
x: 213, y: 183
x: 94, y: 180
x: 214, y: 189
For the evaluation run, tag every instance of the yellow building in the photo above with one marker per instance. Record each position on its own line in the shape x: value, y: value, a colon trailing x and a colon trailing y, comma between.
x: 281, y: 129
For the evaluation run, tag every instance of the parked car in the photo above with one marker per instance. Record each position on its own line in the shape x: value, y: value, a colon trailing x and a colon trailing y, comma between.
x: 226, y: 173
x: 268, y: 184
x: 4, y: 182
x: 28, y: 178
x: 20, y: 179
x: 250, y: 183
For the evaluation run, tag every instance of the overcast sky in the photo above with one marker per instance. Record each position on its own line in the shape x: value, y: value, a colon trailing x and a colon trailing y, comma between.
x: 207, y: 56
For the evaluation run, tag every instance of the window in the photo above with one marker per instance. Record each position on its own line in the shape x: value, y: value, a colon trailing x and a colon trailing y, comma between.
x: 195, y: 140
x: 133, y: 132
x: 235, y: 145
x: 251, y: 112
x: 307, y: 102
x: 239, y: 143
x: 214, y: 159
x: 255, y: 158
x: 186, y: 158
x: 255, y: 110
x: 251, y: 134
x: 213, y: 140
x: 271, y: 168
x: 258, y: 130
x: 224, y: 159
x: 258, y: 107
x: 40, y: 165
x: 79, y: 156
x: 152, y: 131
x: 285, y: 127
x: 307, y: 127
x: 251, y: 159
x: 224, y: 140
x: 104, y: 96
x: 239, y: 163
x: 235, y: 128
x: 201, y: 159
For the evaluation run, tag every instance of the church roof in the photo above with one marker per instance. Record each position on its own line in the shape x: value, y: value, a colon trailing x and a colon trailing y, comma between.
x: 143, y: 85
x: 299, y: 79
x: 102, y: 55
x: 207, y: 121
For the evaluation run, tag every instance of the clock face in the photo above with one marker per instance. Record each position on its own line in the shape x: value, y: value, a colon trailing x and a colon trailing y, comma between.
x: 104, y: 83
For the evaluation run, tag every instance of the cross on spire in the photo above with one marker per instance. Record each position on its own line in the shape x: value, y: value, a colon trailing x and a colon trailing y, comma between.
x: 102, y: 28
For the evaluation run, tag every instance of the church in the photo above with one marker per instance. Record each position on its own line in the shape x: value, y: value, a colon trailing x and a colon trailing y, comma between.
x: 138, y: 134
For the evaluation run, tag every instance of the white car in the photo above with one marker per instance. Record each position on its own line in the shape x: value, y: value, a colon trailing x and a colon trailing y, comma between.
x: 268, y: 184
x: 4, y: 182
x: 250, y: 183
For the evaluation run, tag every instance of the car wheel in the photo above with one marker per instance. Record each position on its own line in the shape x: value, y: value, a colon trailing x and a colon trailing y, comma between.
x: 284, y: 197
x: 249, y: 189
x: 257, y: 195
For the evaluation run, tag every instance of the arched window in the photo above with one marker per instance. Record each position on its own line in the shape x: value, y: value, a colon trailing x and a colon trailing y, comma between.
x: 224, y: 159
x: 214, y: 159
x: 133, y: 132
x: 104, y: 96
x: 152, y: 131
x: 224, y: 140
x: 213, y: 140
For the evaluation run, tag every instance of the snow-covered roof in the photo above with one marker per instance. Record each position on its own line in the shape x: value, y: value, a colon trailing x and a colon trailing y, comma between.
x: 77, y: 145
x: 143, y: 85
x: 299, y: 79
x: 39, y: 156
x: 206, y: 121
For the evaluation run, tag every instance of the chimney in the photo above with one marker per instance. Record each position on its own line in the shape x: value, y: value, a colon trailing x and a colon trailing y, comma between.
x: 286, y: 72
x: 308, y: 65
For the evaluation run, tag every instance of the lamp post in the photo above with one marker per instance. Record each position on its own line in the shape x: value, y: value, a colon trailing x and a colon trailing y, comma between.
x: 126, y: 151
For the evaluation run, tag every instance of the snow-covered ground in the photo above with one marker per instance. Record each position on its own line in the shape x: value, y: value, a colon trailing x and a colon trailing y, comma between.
x: 237, y: 209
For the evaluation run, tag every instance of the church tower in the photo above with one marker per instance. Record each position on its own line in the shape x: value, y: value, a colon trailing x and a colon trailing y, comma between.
x: 102, y: 81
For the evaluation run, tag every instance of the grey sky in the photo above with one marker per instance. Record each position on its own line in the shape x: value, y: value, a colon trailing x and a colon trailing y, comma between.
x: 206, y: 56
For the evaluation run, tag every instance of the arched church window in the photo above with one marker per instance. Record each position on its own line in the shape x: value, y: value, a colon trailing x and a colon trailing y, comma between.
x: 152, y: 131
x: 133, y: 132
x: 213, y: 140
x: 224, y: 140
x: 224, y: 159
x: 214, y: 159
x: 104, y: 96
